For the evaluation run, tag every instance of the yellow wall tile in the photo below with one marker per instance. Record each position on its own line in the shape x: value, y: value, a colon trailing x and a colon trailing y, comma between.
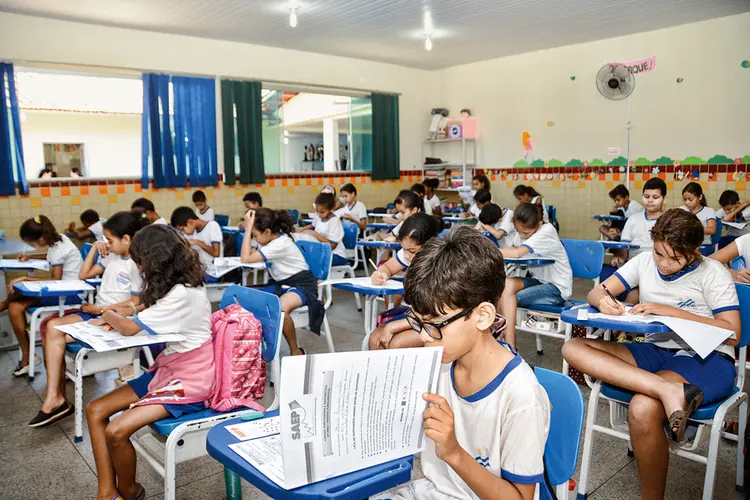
x: 36, y: 202
x: 180, y: 195
x: 112, y: 198
x: 75, y: 200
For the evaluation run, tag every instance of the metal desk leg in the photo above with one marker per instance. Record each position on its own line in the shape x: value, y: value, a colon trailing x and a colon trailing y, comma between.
x: 245, y: 272
x: 369, y: 326
x: 233, y: 484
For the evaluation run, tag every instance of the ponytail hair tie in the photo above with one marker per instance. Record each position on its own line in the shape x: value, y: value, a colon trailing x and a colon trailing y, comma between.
x: 38, y: 219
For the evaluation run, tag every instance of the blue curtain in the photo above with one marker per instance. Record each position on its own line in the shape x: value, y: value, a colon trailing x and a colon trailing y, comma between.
x: 195, y: 130
x: 157, y: 129
x: 11, y: 147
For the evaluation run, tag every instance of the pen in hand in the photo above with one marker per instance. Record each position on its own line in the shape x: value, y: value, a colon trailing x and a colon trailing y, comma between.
x: 614, y: 300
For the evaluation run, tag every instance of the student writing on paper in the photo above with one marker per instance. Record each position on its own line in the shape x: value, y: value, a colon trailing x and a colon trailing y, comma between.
x: 695, y: 201
x: 353, y: 210
x: 624, y: 207
x: 482, y: 198
x: 65, y: 261
x: 205, y: 213
x: 176, y: 302
x: 146, y: 208
x: 488, y: 421
x: 527, y: 194
x: 670, y: 380
x: 119, y: 291
x: 430, y: 196
x: 498, y: 222
x: 738, y: 248
x: 205, y: 237
x: 92, y: 226
x: 551, y: 284
x: 734, y: 211
x: 327, y: 228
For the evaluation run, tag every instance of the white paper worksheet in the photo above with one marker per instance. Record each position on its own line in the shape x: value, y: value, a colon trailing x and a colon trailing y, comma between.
x: 40, y: 264
x: 102, y: 340
x: 345, y: 412
x: 366, y: 283
x: 57, y: 285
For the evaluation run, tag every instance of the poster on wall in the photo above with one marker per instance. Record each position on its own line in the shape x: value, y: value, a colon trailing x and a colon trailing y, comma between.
x: 638, y: 66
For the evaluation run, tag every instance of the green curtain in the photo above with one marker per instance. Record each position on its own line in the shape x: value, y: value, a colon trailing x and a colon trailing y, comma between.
x: 244, y: 100
x: 385, y: 145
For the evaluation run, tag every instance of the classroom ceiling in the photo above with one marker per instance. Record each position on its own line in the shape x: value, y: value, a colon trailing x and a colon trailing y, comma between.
x: 391, y: 30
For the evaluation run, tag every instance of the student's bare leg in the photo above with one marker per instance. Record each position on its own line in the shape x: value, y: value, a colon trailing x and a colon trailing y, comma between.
x: 509, y: 307
x: 97, y: 415
x: 646, y: 422
x: 613, y: 363
x: 17, y: 314
x: 54, y: 360
x: 121, y: 450
x: 289, y: 302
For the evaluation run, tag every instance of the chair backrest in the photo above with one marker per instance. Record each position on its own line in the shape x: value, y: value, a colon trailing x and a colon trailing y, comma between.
x: 266, y: 307
x: 552, y: 213
x: 739, y: 264
x: 717, y: 236
x: 223, y: 220
x: 490, y: 236
x: 239, y: 238
x: 351, y: 232
x: 318, y: 257
x: 566, y: 424
x: 586, y: 257
x: 443, y: 233
x: 743, y: 294
x: 85, y: 249
x: 294, y: 214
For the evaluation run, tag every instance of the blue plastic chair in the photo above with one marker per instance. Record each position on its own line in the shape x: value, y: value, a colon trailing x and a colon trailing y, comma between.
x: 566, y: 427
x: 294, y: 214
x: 351, y: 234
x: 552, y: 213
x: 586, y: 258
x: 738, y: 264
x: 186, y: 435
x: 319, y: 257
x: 85, y: 249
x: 491, y: 237
x: 223, y: 220
x: 709, y: 417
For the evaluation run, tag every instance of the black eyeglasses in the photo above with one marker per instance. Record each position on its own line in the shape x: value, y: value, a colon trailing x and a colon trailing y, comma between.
x: 434, y: 330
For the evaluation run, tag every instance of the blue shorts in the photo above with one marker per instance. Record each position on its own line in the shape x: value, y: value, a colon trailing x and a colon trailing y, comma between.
x: 536, y: 292
x: 339, y: 260
x: 273, y: 289
x: 714, y: 375
x: 140, y: 387
x: 84, y: 316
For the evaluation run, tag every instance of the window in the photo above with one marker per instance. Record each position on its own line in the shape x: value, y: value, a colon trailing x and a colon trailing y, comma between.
x: 316, y: 132
x: 75, y: 119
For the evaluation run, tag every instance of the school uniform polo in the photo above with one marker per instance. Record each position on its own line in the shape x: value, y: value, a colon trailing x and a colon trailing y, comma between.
x: 506, y: 225
x: 183, y: 310
x: 161, y: 221
x: 396, y: 230
x: 333, y: 231
x: 503, y: 426
x: 210, y: 234
x: 97, y: 229
x: 545, y: 213
x: 705, y: 215
x: 546, y: 243
x: 285, y: 257
x: 474, y: 210
x: 633, y: 208
x: 66, y: 255
x: 433, y: 203
x: 402, y: 259
x: 120, y: 280
x: 358, y: 211
x: 637, y: 231
x: 743, y: 246
x: 208, y: 215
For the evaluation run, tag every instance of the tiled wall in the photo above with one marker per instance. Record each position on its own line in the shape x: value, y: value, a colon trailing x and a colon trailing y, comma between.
x: 63, y: 201
x: 578, y: 193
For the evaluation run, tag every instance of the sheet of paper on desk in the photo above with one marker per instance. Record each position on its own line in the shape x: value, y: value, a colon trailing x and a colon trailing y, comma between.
x: 736, y: 225
x: 347, y: 411
x: 102, y: 340
x: 57, y: 285
x: 42, y: 265
x: 222, y: 265
x: 703, y: 339
x: 366, y: 283
x: 255, y: 428
x: 265, y: 455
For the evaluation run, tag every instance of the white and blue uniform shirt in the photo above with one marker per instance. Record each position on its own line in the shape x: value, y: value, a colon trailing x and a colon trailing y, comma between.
x: 705, y: 215
x: 506, y: 225
x: 66, y: 255
x: 210, y: 234
x: 285, y: 257
x: 633, y: 208
x: 743, y: 217
x: 358, y: 211
x: 546, y: 243
x: 97, y: 229
x: 333, y: 231
x: 504, y: 427
x: 120, y: 280
x: 207, y: 216
x: 743, y: 246
x: 704, y: 288
x: 637, y: 231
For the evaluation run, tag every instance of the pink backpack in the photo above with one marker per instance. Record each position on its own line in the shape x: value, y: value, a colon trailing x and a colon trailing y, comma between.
x: 240, y: 369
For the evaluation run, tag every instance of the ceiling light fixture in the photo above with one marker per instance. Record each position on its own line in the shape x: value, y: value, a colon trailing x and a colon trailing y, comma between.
x: 293, y: 17
x: 428, y: 27
x: 428, y: 43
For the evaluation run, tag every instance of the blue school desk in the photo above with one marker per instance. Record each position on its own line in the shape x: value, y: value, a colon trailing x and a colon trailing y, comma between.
x: 609, y: 218
x: 379, y: 245
x: 371, y: 293
x: 452, y: 210
x: 380, y: 225
x: 13, y: 246
x: 570, y: 317
x: 528, y: 261
x: 230, y: 229
x: 460, y: 220
x: 22, y: 267
x: 353, y: 486
x: 618, y: 244
x: 9, y: 246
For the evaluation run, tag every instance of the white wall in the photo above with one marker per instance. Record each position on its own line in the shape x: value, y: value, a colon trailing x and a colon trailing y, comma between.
x: 25, y: 38
x: 112, y: 143
x: 706, y: 114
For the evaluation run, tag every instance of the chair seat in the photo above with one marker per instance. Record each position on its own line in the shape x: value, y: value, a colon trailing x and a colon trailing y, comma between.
x: 76, y: 346
x: 705, y: 412
x: 555, y: 309
x: 166, y: 425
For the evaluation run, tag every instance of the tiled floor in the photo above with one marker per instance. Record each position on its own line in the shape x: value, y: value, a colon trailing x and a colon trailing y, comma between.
x: 46, y: 463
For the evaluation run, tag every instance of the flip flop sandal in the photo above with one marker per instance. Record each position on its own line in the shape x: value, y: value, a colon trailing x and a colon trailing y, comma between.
x: 678, y: 419
x: 141, y: 495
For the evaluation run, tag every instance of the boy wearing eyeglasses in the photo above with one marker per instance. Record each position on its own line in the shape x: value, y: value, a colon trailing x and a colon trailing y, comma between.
x: 488, y: 422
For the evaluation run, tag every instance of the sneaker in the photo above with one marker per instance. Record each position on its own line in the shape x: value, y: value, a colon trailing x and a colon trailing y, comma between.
x: 44, y: 419
x: 24, y: 370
